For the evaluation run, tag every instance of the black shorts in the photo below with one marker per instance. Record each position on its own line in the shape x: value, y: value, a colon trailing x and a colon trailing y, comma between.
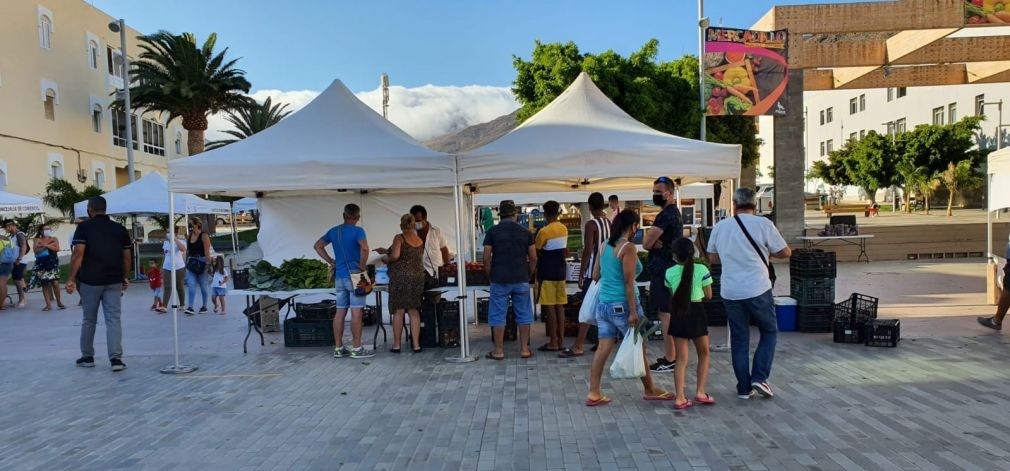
x: 659, y: 294
x: 691, y: 324
x: 18, y: 273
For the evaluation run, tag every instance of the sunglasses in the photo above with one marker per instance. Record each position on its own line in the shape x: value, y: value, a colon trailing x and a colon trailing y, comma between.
x: 665, y: 180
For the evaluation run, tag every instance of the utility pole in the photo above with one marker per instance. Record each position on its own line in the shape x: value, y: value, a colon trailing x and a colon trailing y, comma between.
x: 702, y: 26
x: 120, y: 27
x: 384, y: 82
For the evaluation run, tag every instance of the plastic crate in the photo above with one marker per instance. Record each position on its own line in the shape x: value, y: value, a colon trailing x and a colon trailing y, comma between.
x: 846, y: 332
x: 308, y: 333
x: 511, y: 327
x: 858, y: 309
x: 322, y: 311
x: 883, y: 333
x: 369, y: 316
x: 240, y: 279
x: 813, y: 263
x: 716, y: 312
x: 483, y: 310
x: 814, y: 319
x: 813, y: 291
x: 429, y: 326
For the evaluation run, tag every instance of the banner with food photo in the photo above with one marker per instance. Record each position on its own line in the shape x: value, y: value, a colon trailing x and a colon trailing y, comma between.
x: 746, y: 72
x: 986, y: 12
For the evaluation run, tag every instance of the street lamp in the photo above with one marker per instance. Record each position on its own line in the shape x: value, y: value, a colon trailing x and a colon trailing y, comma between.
x: 120, y: 27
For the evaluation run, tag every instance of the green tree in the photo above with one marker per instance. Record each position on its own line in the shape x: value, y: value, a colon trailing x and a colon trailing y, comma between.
x: 871, y: 163
x: 960, y: 176
x: 663, y: 95
x: 251, y: 119
x: 929, y: 151
x: 834, y: 171
x: 62, y: 195
x: 177, y: 76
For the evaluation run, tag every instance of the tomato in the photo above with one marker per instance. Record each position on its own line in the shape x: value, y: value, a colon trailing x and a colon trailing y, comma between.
x: 719, y: 75
x: 978, y: 3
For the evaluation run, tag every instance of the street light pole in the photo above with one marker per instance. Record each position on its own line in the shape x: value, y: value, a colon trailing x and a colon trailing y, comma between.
x: 702, y: 26
x: 120, y: 27
x: 893, y: 130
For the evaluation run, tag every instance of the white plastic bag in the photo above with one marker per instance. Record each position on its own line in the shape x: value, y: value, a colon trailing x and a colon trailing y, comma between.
x: 630, y: 359
x: 587, y: 313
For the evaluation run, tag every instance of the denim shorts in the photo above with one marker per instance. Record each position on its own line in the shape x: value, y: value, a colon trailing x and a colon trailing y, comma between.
x: 612, y: 324
x: 157, y: 292
x: 6, y: 269
x: 501, y: 295
x: 346, y: 297
x: 219, y: 291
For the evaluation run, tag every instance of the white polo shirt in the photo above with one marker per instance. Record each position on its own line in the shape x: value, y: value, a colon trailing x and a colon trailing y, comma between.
x: 744, y: 275
x: 433, y: 245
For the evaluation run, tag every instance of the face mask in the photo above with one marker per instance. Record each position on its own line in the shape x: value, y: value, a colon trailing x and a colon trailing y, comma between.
x: 47, y: 233
x: 419, y: 226
x: 658, y: 200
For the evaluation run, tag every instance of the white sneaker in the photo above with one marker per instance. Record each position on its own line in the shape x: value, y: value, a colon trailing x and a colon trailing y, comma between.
x: 764, y: 389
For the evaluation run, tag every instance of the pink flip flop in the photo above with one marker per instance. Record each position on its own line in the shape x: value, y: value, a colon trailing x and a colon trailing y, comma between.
x: 682, y: 406
x: 663, y: 396
x: 598, y: 402
x: 708, y: 400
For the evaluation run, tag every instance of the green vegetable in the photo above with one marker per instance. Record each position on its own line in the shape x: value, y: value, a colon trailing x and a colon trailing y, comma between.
x: 734, y: 105
x: 710, y: 83
x: 974, y: 10
x: 301, y: 273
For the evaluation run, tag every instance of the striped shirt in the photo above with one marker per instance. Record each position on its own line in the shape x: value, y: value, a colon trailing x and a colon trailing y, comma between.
x: 552, y: 243
x: 602, y: 235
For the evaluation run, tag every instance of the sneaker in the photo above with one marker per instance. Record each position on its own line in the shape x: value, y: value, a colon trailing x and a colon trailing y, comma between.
x: 341, y: 352
x: 663, y: 366
x: 747, y: 396
x: 203, y: 310
x: 360, y: 352
x: 189, y: 311
x: 990, y: 322
x: 764, y: 389
x: 86, y: 362
x: 117, y: 364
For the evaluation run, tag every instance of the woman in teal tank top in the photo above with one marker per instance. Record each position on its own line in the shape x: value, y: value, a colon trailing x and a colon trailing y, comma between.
x: 618, y: 307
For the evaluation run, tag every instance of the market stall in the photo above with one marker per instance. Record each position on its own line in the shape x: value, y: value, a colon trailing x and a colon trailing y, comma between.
x: 147, y: 197
x: 998, y: 184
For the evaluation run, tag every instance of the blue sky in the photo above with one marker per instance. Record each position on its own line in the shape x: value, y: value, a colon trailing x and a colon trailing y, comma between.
x: 304, y: 44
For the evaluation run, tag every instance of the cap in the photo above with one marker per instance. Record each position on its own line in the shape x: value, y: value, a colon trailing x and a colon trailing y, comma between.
x: 507, y: 208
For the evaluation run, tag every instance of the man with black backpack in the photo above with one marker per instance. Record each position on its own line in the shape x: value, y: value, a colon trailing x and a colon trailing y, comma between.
x: 744, y: 245
x: 20, y: 242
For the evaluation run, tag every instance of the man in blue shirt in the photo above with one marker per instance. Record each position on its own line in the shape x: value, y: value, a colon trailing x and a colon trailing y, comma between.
x: 510, y: 257
x: 350, y: 256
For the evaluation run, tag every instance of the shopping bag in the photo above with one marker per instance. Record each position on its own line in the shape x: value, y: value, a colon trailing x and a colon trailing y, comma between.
x: 630, y: 359
x: 587, y: 313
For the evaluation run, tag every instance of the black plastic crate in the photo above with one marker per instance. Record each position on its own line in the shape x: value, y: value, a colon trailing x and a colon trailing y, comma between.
x: 429, y: 326
x: 814, y: 319
x: 813, y: 263
x: 511, y: 327
x: 883, y: 333
x: 813, y: 291
x: 240, y: 279
x: 483, y: 310
x: 858, y: 309
x: 716, y: 313
x: 846, y: 332
x: 322, y: 311
x: 369, y: 316
x: 308, y: 333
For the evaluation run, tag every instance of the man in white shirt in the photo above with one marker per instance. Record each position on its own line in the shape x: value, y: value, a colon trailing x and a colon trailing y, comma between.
x: 746, y: 289
x: 436, y: 247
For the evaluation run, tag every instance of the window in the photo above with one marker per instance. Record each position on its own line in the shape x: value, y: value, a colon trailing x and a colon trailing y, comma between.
x: 822, y: 117
x: 853, y: 136
x: 902, y: 91
x: 830, y: 116
x: 830, y: 144
x: 119, y: 129
x: 154, y: 138
x: 979, y: 105
x: 50, y: 104
x: 100, y: 178
x: 854, y: 106
x: 45, y: 32
x: 952, y: 113
x: 93, y: 54
x: 862, y: 102
x: 890, y: 94
x: 96, y: 118
x: 115, y: 59
x: 900, y: 125
x: 178, y: 143
x: 56, y: 170
x: 938, y: 116
x: 891, y: 128
x: 862, y: 134
x: 822, y: 149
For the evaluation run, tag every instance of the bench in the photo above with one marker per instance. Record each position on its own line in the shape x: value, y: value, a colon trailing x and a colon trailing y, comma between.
x: 842, y: 209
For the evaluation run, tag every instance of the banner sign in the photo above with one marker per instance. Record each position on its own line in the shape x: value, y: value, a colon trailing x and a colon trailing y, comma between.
x: 986, y: 12
x: 746, y: 72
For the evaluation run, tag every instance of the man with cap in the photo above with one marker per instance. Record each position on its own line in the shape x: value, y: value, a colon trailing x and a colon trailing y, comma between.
x: 658, y: 241
x: 102, y: 252
x: 510, y: 256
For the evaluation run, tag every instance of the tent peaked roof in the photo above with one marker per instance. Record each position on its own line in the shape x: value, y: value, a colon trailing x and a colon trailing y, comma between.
x: 149, y: 195
x: 582, y: 129
x: 335, y: 142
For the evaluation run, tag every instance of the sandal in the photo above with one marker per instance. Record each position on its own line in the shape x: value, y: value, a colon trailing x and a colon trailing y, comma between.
x: 545, y: 348
x: 490, y: 356
x: 602, y: 401
x: 708, y: 400
x: 47, y: 309
x: 417, y: 350
x: 394, y: 350
x: 662, y: 396
x: 62, y: 307
x: 684, y: 405
x: 526, y: 357
x: 569, y: 353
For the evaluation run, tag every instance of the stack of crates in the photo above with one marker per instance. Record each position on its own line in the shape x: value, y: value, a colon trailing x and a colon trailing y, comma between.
x: 714, y: 307
x: 448, y: 324
x: 812, y: 276
x: 852, y: 316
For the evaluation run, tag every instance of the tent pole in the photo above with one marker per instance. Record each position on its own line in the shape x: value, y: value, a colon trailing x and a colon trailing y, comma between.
x: 464, y: 337
x: 174, y: 368
x: 234, y: 230
x: 988, y: 216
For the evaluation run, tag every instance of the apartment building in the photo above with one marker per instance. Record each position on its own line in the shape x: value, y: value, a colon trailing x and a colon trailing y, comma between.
x: 60, y: 66
x: 836, y: 116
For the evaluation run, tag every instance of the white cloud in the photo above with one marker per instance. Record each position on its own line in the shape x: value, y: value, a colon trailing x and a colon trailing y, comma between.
x: 423, y: 112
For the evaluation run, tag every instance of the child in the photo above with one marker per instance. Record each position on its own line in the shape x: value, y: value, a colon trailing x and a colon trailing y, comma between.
x: 690, y: 283
x: 154, y: 276
x: 219, y: 285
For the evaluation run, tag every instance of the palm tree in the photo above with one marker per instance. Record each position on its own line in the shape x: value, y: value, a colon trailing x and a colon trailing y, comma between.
x: 251, y: 119
x: 176, y: 76
x: 61, y: 195
x: 960, y: 176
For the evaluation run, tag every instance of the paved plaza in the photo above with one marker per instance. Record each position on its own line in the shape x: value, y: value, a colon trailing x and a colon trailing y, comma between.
x: 940, y: 401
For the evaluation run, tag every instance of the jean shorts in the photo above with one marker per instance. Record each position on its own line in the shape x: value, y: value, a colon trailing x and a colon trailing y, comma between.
x: 6, y: 269
x: 501, y: 295
x: 346, y: 297
x: 157, y: 292
x: 219, y: 291
x: 613, y: 324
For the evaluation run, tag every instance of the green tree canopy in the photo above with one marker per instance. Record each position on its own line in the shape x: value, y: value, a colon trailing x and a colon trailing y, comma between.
x: 663, y: 95
x: 62, y: 195
x: 251, y: 119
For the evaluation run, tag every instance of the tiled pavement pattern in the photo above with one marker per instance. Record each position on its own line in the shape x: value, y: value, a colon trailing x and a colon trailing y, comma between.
x: 938, y: 403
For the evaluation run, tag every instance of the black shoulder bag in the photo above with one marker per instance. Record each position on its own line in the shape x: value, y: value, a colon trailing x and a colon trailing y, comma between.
x: 771, y: 268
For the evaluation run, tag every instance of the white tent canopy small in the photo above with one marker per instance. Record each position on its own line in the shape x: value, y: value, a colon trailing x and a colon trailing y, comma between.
x: 148, y: 196
x: 244, y: 204
x: 583, y: 141
x: 11, y: 203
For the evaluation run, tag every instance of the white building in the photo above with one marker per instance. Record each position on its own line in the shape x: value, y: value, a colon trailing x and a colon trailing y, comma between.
x: 835, y: 116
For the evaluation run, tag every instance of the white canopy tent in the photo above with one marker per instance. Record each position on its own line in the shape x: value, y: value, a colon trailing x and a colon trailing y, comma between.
x: 998, y: 184
x: 692, y: 191
x: 244, y: 204
x: 11, y: 203
x: 148, y: 196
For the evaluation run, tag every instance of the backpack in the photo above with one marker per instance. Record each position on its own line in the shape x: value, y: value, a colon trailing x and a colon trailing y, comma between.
x: 8, y: 251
